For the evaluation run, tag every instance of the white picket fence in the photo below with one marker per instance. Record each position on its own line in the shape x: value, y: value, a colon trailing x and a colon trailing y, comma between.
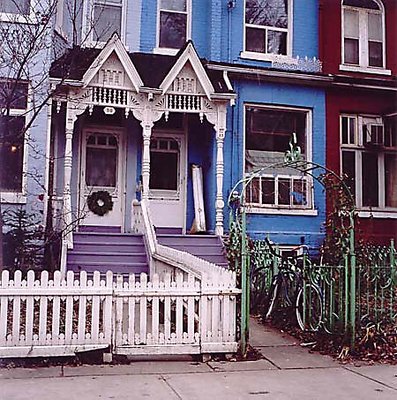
x: 52, y: 317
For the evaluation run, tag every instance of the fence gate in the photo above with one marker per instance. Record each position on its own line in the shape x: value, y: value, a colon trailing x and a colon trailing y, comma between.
x: 181, y: 316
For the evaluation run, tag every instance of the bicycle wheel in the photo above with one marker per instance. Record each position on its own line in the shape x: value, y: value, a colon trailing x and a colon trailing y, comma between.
x: 313, y: 308
x: 271, y: 299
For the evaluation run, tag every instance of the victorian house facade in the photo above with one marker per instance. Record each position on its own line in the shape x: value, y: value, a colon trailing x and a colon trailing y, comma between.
x: 158, y: 108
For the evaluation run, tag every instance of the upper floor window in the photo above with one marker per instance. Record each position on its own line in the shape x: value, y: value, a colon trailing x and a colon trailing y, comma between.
x: 268, y: 26
x: 363, y: 33
x: 369, y: 159
x: 268, y: 133
x: 106, y: 19
x: 99, y: 19
x: 21, y: 7
x: 173, y: 23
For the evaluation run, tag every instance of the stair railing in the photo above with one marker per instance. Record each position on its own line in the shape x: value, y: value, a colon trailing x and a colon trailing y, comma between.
x: 187, y: 262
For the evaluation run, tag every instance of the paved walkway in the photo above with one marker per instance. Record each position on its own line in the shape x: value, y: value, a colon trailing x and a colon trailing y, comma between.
x: 288, y: 371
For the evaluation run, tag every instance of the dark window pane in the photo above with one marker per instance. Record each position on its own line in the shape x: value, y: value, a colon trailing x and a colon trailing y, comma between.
x: 276, y: 42
x: 352, y: 130
x: 370, y: 179
x: 362, y: 4
x: 349, y: 169
x: 172, y: 30
x: 391, y: 132
x: 107, y: 20
x: 391, y: 180
x: 101, y: 167
x: 299, y: 193
x: 253, y: 191
x: 163, y: 170
x: 15, y: 7
x: 11, y: 153
x: 268, y: 190
x: 375, y: 54
x: 13, y: 94
x: 255, y: 40
x: 284, y: 190
x: 351, y: 51
x: 345, y: 131
x: 271, y: 130
x: 267, y: 13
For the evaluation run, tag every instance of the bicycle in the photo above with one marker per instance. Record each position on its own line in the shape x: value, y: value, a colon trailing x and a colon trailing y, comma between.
x: 288, y: 285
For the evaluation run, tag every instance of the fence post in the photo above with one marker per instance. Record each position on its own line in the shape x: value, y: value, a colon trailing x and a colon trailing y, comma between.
x: 244, y: 287
x: 352, y: 273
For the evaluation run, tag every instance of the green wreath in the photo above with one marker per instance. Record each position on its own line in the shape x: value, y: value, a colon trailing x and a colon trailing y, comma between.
x: 100, y: 202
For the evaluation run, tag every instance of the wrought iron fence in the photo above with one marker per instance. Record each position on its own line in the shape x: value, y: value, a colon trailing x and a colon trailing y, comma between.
x: 373, y: 299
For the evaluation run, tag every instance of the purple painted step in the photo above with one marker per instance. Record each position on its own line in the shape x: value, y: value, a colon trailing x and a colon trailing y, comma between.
x: 103, y: 251
x: 100, y: 228
x: 168, y: 231
x: 207, y: 247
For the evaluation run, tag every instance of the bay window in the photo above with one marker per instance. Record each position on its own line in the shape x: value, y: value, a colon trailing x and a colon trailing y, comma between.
x: 268, y: 132
x: 363, y: 34
x: 369, y: 160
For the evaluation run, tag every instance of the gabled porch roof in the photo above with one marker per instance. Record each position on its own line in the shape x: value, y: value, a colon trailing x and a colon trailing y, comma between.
x: 154, y: 70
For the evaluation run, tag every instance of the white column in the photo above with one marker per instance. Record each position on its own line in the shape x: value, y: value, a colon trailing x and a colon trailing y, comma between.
x: 146, y: 134
x: 68, y: 161
x: 220, y: 129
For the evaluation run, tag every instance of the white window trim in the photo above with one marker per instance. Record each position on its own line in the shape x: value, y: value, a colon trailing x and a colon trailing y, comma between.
x: 22, y: 19
x: 87, y: 31
x: 285, y: 210
x: 21, y: 197
x: 382, y: 211
x: 363, y: 39
x: 167, y: 50
x: 252, y: 55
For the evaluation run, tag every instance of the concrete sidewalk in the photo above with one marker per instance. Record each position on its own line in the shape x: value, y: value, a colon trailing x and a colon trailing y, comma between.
x: 286, y: 372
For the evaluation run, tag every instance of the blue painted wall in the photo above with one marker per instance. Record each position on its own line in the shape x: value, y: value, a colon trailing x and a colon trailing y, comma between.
x: 305, y: 31
x: 285, y: 229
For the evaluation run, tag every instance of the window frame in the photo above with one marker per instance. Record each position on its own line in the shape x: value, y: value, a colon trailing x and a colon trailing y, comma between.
x: 20, y: 197
x: 271, y: 56
x: 363, y: 48
x: 22, y: 18
x: 88, y: 17
x: 188, y: 12
x: 308, y: 209
x: 359, y: 149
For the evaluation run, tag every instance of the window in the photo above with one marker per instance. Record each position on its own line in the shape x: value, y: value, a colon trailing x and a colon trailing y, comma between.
x: 105, y: 18
x: 268, y: 133
x: 369, y: 159
x: 13, y: 105
x: 267, y: 26
x: 173, y: 23
x: 16, y: 7
x: 101, y: 161
x: 164, y: 164
x: 363, y: 34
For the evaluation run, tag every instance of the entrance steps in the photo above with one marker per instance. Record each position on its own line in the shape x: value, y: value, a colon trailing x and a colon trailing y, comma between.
x: 107, y: 249
x: 207, y: 247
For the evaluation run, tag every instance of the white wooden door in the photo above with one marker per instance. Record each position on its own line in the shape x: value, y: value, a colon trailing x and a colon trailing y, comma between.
x: 102, y: 177
x: 167, y: 184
